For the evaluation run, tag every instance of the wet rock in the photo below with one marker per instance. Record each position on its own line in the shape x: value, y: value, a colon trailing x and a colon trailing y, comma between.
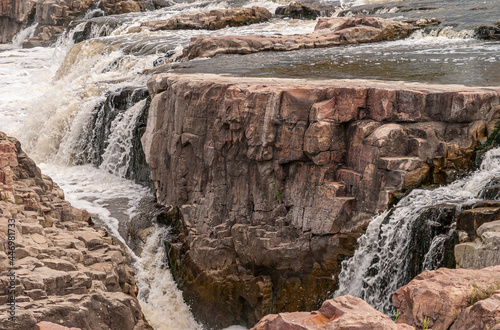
x: 65, y: 270
x: 447, y: 299
x: 95, y: 143
x: 301, y: 10
x: 488, y: 32
x: 345, y: 312
x: 275, y: 179
x: 328, y: 32
x: 212, y: 20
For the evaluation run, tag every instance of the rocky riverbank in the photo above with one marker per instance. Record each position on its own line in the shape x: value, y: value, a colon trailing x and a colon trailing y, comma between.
x: 271, y: 181
x: 57, y: 266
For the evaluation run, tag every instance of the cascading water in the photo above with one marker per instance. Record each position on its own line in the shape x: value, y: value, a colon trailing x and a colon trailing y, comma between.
x: 380, y: 264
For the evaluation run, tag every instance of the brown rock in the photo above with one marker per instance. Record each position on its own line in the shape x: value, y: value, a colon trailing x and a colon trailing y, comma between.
x: 212, y: 20
x: 53, y: 280
x: 345, y: 312
x: 273, y: 180
x: 52, y: 326
x: 444, y: 296
x: 328, y: 32
x: 484, y: 314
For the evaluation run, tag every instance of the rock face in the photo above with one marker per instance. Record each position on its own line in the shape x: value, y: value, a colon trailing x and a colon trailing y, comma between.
x: 451, y: 299
x: 479, y: 233
x: 271, y: 181
x: 212, y: 20
x: 52, y: 16
x: 328, y: 32
x: 62, y: 268
x: 345, y: 312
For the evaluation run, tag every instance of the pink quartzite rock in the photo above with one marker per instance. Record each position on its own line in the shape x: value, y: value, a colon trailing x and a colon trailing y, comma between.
x: 444, y: 297
x: 328, y: 32
x: 345, y: 312
x: 52, y: 326
x: 273, y: 180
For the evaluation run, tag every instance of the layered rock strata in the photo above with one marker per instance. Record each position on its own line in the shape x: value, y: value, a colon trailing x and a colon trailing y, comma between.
x: 59, y: 267
x: 451, y: 299
x: 211, y: 20
x: 327, y: 33
x: 271, y: 181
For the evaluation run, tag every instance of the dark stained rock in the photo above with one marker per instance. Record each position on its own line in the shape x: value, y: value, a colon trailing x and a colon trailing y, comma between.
x: 275, y: 179
x: 301, y: 10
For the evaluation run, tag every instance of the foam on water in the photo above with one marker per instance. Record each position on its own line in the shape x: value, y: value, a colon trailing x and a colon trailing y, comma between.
x: 161, y: 301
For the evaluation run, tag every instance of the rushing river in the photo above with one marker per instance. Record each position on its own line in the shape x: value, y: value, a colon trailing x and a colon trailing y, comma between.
x: 48, y: 96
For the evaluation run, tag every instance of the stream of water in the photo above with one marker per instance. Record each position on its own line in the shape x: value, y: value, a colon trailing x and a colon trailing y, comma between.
x: 49, y: 97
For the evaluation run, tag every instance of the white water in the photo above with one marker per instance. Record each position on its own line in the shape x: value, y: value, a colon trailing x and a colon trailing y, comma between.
x: 375, y: 271
x: 48, y: 115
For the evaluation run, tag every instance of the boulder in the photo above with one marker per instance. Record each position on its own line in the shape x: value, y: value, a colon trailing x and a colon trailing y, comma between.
x: 271, y: 181
x: 345, y: 312
x: 211, y: 20
x: 300, y: 10
x: 450, y: 299
x: 328, y: 32
x: 52, y: 326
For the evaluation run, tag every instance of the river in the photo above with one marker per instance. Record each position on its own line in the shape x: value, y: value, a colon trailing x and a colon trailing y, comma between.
x: 48, y: 96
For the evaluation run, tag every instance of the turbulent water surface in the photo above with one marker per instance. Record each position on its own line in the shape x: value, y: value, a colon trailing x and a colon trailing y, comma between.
x: 50, y: 96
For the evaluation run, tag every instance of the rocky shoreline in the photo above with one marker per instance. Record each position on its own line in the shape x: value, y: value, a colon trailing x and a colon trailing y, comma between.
x: 58, y: 267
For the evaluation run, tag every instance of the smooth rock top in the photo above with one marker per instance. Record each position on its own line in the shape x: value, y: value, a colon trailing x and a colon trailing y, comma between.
x: 345, y: 312
x: 328, y: 32
x: 65, y: 271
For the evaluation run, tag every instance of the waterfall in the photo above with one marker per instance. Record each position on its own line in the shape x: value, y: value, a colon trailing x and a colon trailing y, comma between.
x: 24, y: 35
x: 383, y: 260
x: 161, y: 300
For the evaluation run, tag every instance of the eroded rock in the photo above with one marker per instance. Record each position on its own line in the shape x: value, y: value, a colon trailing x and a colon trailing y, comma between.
x: 328, y: 32
x: 211, y: 20
x: 456, y: 298
x: 273, y: 180
x: 64, y: 269
x: 345, y: 312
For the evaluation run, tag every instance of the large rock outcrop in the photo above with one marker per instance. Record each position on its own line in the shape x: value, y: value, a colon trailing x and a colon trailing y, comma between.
x: 345, y: 312
x: 271, y: 181
x: 61, y: 269
x: 327, y: 33
x: 453, y: 299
